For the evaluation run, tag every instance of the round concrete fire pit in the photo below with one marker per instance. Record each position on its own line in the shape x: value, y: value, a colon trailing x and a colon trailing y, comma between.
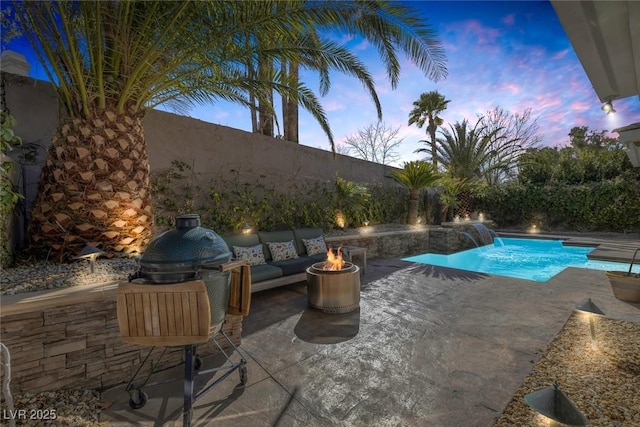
x: 334, y: 291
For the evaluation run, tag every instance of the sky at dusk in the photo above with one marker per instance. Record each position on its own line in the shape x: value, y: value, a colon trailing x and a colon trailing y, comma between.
x: 509, y: 54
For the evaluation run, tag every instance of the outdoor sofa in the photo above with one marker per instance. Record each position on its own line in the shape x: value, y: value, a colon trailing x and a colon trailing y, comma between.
x: 278, y: 258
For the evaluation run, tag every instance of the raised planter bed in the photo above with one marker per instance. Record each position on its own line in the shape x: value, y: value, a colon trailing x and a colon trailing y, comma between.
x: 69, y: 339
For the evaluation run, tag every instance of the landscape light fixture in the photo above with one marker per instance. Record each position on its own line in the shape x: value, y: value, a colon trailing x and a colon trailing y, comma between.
x: 91, y: 253
x: 555, y: 405
x: 607, y: 107
x: 591, y: 309
x: 246, y: 228
x: 366, y: 222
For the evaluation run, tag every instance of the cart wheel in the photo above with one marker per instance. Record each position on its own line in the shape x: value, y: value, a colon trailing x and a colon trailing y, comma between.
x: 243, y: 374
x: 197, y: 364
x: 138, y: 399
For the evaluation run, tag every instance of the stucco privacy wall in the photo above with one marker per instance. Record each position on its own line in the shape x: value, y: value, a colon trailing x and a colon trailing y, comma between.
x: 219, y: 152
x: 215, y: 152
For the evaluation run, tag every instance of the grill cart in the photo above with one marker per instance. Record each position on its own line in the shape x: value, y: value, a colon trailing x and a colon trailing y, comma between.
x: 179, y: 297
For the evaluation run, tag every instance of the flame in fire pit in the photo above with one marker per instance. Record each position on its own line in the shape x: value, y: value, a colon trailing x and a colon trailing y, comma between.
x: 334, y: 261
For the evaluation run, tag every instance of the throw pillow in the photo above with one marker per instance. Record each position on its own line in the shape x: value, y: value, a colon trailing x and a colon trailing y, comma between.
x: 253, y: 254
x: 315, y: 246
x: 281, y: 251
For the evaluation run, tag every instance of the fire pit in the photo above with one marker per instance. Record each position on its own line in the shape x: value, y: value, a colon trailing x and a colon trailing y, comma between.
x: 333, y: 286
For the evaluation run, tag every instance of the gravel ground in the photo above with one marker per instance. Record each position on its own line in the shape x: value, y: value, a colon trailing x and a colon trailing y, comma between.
x: 72, y: 408
x: 41, y: 275
x: 602, y: 381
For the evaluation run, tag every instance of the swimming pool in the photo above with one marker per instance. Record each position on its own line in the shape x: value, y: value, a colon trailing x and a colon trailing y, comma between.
x: 530, y: 259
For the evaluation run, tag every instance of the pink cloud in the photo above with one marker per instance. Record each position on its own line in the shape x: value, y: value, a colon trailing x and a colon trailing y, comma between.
x: 510, y: 19
x: 580, y: 106
x: 560, y: 54
x: 333, y: 106
x: 484, y: 34
x: 511, y: 87
x: 363, y: 45
x: 547, y: 101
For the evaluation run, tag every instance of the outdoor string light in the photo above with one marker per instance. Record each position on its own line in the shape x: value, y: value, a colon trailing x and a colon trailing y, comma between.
x: 552, y: 403
x: 591, y: 309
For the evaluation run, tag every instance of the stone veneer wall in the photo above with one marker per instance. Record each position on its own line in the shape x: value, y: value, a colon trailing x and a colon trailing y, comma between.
x: 73, y: 345
x: 404, y: 243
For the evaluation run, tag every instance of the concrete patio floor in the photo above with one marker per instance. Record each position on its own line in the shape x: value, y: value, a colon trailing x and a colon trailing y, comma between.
x: 429, y: 346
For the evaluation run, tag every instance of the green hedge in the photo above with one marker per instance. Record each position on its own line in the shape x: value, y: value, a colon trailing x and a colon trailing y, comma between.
x: 228, y: 204
x: 612, y: 205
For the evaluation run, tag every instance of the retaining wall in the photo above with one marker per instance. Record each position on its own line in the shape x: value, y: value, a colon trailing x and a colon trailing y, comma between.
x: 69, y: 339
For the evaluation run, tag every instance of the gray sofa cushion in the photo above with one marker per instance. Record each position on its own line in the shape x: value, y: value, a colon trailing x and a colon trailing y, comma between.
x: 318, y: 258
x: 275, y: 236
x: 305, y: 233
x: 264, y: 272
x: 244, y: 240
x: 293, y: 266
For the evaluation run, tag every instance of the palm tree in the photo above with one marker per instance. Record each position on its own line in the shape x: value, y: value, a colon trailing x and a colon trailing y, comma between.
x: 427, y: 110
x: 469, y: 155
x: 415, y: 176
x: 389, y: 26
x: 112, y: 60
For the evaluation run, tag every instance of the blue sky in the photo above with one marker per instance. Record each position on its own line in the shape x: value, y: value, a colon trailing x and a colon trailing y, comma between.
x: 511, y: 54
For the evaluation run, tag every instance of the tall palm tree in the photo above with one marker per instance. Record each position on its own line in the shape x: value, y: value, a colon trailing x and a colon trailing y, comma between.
x: 112, y: 60
x: 415, y: 176
x: 391, y: 27
x: 426, y: 110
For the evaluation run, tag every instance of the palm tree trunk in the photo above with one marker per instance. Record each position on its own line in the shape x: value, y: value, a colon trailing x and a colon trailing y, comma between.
x: 464, y: 204
x: 412, y: 218
x: 290, y: 109
x: 432, y: 134
x: 94, y: 188
x: 265, y: 112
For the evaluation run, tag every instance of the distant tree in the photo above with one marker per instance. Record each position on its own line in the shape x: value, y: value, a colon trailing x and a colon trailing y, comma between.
x: 581, y: 137
x: 515, y: 134
x: 377, y: 143
x: 592, y: 157
x: 427, y: 110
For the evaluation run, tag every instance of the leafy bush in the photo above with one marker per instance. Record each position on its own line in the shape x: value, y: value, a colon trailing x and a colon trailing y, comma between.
x: 610, y: 205
x: 9, y: 197
x: 230, y: 203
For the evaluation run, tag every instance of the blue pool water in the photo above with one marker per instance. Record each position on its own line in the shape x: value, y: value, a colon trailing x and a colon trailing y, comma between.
x: 530, y: 259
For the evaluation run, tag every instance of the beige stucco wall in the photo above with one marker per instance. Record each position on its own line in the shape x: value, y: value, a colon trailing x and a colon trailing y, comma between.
x: 215, y: 152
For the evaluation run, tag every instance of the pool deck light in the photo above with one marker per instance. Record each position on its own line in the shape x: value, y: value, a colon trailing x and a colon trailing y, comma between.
x: 591, y: 309
x: 555, y: 405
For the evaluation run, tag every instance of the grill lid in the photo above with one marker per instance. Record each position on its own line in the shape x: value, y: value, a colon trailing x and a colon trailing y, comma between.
x: 182, y: 251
